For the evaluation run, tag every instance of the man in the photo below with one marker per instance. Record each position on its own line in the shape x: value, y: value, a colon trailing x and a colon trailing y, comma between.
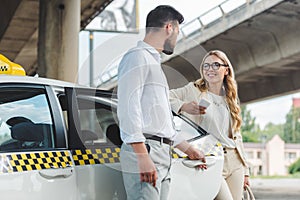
x: 144, y: 110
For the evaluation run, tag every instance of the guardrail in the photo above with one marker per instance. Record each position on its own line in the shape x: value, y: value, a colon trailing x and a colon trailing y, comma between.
x: 197, y: 25
x: 213, y: 16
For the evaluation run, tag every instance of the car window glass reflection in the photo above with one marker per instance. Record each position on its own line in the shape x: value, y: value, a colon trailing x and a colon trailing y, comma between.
x: 184, y: 129
x: 25, y: 120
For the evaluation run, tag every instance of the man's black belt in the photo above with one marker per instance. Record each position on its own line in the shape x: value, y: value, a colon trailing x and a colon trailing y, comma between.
x: 159, y: 139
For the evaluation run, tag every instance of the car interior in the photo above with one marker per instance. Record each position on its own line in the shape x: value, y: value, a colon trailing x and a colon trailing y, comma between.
x: 97, y: 120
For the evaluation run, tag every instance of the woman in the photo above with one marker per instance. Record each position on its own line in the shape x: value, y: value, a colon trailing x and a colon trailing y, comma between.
x: 221, y: 118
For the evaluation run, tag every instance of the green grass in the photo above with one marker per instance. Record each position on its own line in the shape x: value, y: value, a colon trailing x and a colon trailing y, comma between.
x: 296, y: 175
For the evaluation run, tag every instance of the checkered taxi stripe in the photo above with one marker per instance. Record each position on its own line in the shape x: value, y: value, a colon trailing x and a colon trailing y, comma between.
x: 101, y: 156
x: 176, y: 155
x: 96, y: 156
x: 207, y: 149
x: 21, y: 162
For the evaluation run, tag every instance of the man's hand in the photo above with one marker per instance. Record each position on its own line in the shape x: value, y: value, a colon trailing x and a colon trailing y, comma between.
x: 195, y: 154
x: 147, y: 168
x: 192, y: 153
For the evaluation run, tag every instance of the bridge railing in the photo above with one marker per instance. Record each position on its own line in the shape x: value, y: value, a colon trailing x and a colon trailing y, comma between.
x: 197, y: 25
x: 213, y: 16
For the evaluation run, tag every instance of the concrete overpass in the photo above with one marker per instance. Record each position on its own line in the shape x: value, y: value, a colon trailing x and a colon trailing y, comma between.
x: 261, y: 39
x: 40, y: 34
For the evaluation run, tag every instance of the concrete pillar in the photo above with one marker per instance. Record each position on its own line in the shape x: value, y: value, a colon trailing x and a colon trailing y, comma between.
x: 59, y: 27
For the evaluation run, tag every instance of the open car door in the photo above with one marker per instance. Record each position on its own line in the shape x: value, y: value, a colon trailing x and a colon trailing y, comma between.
x: 188, y: 182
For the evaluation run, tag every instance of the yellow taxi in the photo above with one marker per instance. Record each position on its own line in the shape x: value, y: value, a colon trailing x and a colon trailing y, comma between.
x: 59, y: 140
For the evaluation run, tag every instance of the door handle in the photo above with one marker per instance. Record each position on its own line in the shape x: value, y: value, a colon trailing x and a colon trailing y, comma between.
x: 56, y: 173
x: 210, y: 161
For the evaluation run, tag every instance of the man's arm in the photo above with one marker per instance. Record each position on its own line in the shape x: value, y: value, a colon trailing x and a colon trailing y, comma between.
x: 147, y: 168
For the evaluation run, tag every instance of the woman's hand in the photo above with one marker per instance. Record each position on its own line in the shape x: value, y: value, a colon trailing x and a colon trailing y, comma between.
x: 246, y: 181
x: 193, y: 108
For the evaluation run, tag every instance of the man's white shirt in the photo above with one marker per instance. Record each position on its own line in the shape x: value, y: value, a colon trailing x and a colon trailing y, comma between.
x: 143, y: 96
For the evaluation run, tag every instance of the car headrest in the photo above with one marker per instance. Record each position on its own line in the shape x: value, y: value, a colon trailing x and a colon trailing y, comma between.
x: 27, y: 131
x: 18, y: 119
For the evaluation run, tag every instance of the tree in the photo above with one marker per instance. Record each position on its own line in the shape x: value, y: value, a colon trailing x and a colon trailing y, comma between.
x: 250, y: 130
x: 291, y: 131
x: 295, y: 167
x: 272, y: 129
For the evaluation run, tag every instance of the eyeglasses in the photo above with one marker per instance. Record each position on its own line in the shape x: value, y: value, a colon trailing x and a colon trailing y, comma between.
x: 214, y: 66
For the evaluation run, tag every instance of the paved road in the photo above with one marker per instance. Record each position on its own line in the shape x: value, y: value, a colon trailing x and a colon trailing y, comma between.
x: 273, y: 189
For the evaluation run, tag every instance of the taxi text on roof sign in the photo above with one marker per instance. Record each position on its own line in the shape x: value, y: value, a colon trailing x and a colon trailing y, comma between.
x: 10, y: 68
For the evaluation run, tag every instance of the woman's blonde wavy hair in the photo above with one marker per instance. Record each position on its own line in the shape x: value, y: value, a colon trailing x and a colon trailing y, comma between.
x: 230, y: 86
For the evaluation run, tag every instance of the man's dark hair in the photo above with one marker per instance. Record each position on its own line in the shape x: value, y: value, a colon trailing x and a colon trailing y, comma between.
x: 162, y: 14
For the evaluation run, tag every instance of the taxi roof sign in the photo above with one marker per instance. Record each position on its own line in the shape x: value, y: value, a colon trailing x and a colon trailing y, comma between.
x: 10, y: 68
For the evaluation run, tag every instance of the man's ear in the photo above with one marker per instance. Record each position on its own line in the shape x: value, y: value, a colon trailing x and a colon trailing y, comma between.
x: 169, y: 28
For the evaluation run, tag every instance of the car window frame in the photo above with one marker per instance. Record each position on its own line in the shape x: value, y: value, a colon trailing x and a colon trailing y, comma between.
x: 52, y: 112
x: 202, y: 132
x: 60, y: 136
x: 74, y: 126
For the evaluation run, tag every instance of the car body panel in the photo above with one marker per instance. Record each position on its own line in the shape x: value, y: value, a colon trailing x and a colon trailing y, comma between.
x: 188, y: 181
x: 22, y: 175
x: 100, y: 181
x: 80, y: 159
x: 191, y: 183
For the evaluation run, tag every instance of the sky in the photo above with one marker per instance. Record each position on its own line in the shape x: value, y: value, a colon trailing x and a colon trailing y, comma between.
x: 190, y: 9
x: 272, y: 110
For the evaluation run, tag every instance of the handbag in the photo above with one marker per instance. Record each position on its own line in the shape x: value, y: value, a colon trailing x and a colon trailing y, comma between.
x: 248, y: 194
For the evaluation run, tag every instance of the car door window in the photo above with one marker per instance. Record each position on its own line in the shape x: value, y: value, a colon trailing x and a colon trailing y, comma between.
x: 184, y: 129
x: 98, y: 122
x: 25, y: 119
x: 91, y: 118
x: 187, y: 129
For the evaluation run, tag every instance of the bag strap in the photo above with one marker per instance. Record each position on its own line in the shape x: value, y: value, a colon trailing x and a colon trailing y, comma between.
x: 249, y: 193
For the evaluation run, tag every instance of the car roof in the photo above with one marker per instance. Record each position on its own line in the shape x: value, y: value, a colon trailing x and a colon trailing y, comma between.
x: 38, y: 80
x: 52, y: 82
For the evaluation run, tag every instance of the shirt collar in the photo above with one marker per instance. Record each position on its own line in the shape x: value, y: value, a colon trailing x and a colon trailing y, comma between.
x: 150, y: 49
